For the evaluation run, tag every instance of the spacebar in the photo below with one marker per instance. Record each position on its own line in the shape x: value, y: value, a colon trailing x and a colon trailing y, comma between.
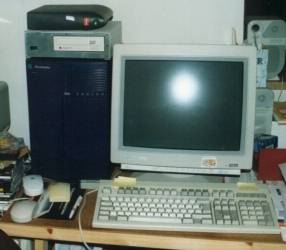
x: 155, y: 219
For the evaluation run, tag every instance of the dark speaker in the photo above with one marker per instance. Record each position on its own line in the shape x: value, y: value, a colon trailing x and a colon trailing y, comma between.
x: 68, y: 17
x: 266, y: 8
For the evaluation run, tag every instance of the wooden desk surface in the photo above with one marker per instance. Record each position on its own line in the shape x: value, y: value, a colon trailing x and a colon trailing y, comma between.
x: 61, y: 230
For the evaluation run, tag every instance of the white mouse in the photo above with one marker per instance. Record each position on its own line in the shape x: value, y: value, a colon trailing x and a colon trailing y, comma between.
x: 33, y: 185
x: 22, y: 211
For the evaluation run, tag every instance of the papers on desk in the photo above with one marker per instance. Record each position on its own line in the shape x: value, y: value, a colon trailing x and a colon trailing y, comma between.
x: 278, y: 195
x: 59, y: 192
x: 282, y: 167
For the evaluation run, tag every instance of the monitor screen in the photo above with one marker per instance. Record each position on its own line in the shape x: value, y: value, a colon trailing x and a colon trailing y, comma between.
x: 180, y: 108
x: 172, y: 105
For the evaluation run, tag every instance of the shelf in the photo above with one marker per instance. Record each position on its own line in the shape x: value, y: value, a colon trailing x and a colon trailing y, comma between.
x: 276, y: 85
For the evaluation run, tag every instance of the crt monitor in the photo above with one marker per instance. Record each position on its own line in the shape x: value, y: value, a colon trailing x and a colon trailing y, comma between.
x: 183, y: 108
x: 4, y: 107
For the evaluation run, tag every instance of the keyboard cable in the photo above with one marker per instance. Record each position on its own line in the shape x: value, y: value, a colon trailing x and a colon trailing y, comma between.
x: 79, y: 219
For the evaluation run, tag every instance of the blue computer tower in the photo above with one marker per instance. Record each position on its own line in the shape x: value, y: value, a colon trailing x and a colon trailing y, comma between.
x: 69, y: 114
x: 69, y: 92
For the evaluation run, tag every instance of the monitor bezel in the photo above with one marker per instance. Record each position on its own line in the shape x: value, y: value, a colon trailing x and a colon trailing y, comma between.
x: 183, y: 161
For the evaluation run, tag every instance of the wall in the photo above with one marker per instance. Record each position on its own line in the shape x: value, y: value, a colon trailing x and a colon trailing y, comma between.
x: 158, y: 21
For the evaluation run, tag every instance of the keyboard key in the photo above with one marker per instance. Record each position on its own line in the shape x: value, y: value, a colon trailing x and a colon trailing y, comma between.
x: 154, y: 219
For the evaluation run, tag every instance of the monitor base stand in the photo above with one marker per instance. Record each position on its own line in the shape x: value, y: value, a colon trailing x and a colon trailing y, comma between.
x: 170, y: 177
x: 183, y: 170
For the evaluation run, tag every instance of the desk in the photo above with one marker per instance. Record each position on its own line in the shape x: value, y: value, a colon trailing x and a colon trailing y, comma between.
x: 60, y: 230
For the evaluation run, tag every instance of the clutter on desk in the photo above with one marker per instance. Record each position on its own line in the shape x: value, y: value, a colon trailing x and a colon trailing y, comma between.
x: 13, y: 153
x: 66, y: 210
x: 11, y: 147
x: 270, y: 163
x: 278, y: 195
x: 41, y: 206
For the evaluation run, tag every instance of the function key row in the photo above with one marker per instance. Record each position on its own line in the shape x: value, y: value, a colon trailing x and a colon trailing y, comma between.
x: 170, y: 191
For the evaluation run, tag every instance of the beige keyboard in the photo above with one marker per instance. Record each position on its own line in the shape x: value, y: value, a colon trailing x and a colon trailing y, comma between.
x: 191, y: 207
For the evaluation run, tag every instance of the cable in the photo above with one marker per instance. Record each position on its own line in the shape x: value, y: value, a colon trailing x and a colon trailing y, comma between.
x: 255, y: 40
x: 79, y: 219
x: 282, y: 87
x: 20, y: 199
x: 233, y: 37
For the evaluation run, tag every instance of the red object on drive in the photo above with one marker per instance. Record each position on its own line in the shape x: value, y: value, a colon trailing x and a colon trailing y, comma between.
x: 268, y: 161
x: 86, y: 21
